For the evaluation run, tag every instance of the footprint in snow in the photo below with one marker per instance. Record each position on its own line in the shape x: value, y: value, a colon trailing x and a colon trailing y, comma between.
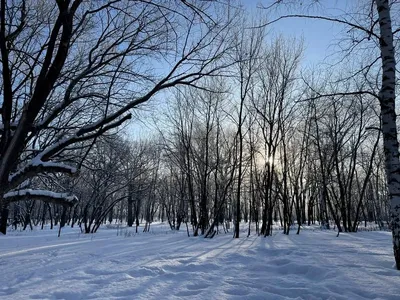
x: 242, y: 291
x: 280, y: 262
x: 8, y: 291
x: 146, y: 272
x: 197, y: 286
x: 188, y: 293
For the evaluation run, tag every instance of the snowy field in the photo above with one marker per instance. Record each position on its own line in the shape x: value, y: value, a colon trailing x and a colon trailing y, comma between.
x: 166, y: 265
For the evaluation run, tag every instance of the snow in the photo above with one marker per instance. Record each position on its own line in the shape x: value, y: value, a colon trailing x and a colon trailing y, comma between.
x: 117, y: 264
x: 41, y: 193
x: 37, y: 162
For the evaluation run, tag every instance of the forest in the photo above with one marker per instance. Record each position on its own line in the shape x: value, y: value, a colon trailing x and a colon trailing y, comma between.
x: 241, y: 137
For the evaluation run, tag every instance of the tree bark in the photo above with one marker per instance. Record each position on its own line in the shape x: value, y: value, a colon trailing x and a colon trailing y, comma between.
x: 388, y: 115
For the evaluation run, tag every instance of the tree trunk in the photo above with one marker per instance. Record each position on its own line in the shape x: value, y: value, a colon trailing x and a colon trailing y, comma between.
x: 3, y: 219
x: 130, y: 206
x: 388, y: 114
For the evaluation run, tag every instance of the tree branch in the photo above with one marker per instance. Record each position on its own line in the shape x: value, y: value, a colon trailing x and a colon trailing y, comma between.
x: 345, y: 22
x: 63, y: 199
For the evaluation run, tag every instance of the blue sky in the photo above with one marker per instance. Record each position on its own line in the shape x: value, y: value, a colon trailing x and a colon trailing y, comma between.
x: 319, y: 36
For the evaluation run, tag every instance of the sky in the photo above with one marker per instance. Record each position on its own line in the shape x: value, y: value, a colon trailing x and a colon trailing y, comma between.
x: 319, y: 37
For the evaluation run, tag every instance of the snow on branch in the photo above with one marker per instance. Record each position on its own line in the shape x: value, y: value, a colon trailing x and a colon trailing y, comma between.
x: 64, y: 199
x: 37, y: 166
x: 42, y: 164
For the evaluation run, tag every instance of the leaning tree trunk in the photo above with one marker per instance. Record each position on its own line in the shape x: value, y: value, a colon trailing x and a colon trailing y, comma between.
x: 388, y: 114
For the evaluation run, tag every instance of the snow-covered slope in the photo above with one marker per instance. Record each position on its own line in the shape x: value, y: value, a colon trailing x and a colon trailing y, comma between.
x: 164, y: 265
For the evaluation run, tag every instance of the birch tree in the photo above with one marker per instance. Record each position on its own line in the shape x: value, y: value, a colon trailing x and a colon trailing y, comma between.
x: 387, y: 97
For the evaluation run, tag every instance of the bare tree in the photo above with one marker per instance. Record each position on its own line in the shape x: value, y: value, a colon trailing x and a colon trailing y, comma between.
x: 72, y: 70
x: 276, y: 78
x: 247, y: 54
x: 387, y: 96
x: 367, y: 31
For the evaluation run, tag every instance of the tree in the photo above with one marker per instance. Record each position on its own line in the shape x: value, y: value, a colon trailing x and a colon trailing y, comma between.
x: 271, y: 103
x: 387, y: 97
x: 72, y: 70
x: 382, y: 35
x: 247, y: 52
x: 103, y: 183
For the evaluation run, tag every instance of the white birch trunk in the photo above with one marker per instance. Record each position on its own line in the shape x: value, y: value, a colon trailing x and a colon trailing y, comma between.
x: 388, y: 114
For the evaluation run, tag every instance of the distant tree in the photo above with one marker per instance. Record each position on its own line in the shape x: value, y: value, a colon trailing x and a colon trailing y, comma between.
x: 275, y: 76
x: 248, y: 54
x: 103, y: 183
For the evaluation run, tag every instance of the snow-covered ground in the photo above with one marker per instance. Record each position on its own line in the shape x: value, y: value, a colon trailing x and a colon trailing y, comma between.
x: 166, y: 265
